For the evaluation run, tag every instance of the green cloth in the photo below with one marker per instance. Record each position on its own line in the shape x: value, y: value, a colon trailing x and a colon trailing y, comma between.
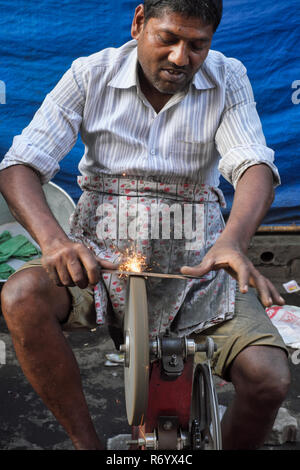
x: 5, y: 271
x: 18, y: 247
x: 5, y: 236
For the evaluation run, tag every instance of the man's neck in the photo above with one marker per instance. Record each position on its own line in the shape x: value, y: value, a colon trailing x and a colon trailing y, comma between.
x: 157, y: 99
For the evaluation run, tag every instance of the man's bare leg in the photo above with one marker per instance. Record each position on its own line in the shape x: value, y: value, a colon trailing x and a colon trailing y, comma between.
x: 261, y: 378
x: 33, y: 308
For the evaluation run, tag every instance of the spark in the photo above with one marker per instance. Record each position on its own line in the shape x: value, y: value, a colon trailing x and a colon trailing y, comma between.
x: 133, y: 262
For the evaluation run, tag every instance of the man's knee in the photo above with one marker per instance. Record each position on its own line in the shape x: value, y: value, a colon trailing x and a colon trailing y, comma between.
x: 261, y: 376
x: 28, y: 295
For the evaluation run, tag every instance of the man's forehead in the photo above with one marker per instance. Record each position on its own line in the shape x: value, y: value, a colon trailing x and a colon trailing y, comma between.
x: 182, y: 25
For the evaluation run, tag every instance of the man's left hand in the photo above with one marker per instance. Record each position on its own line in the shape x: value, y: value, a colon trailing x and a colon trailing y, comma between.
x: 229, y: 256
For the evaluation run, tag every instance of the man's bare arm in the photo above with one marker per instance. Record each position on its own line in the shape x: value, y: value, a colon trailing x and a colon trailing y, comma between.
x: 21, y: 187
x: 253, y: 197
x: 67, y: 263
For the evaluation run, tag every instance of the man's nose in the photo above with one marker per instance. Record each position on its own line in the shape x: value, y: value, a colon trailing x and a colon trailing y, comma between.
x: 179, y: 55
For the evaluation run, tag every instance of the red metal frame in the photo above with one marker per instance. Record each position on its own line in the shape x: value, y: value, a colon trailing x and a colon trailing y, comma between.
x: 167, y: 398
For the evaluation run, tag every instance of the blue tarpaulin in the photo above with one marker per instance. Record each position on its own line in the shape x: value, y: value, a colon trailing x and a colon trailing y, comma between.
x: 40, y: 39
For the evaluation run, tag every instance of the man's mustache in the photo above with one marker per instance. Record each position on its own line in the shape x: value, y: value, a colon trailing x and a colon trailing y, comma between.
x: 176, y: 68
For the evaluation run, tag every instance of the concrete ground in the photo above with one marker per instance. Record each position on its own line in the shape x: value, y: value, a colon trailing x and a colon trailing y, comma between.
x: 25, y: 423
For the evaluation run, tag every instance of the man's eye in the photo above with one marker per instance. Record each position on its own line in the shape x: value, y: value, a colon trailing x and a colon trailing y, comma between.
x: 166, y: 40
x: 197, y: 48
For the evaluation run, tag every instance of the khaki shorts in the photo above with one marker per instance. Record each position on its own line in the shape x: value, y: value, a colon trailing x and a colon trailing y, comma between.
x: 250, y: 326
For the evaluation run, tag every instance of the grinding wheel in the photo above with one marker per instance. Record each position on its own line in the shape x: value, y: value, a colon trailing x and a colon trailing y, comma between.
x: 136, y: 333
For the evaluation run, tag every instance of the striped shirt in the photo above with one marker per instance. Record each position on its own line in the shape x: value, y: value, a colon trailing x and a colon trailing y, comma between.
x: 210, y: 128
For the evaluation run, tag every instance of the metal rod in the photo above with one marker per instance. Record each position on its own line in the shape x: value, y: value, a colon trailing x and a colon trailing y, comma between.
x: 149, y: 274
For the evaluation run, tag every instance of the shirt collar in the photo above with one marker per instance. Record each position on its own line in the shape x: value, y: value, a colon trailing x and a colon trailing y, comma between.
x: 126, y: 76
x: 202, y: 80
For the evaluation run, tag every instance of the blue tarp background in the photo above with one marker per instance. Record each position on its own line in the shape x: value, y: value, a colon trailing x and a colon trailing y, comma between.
x: 40, y: 39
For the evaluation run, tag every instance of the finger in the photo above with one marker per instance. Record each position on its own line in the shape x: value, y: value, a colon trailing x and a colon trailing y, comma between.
x: 107, y: 264
x: 78, y: 273
x: 240, y: 271
x: 90, y: 265
x: 277, y: 299
x: 230, y: 271
x: 64, y: 276
x: 50, y: 270
x: 262, y: 286
x: 243, y: 282
x: 239, y: 267
x: 200, y: 270
x: 53, y: 275
x: 268, y: 293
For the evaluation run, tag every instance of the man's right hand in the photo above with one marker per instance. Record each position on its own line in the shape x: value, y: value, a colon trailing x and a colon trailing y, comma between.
x: 72, y: 264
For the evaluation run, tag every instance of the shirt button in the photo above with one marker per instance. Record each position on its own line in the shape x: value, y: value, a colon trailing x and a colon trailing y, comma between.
x: 152, y: 151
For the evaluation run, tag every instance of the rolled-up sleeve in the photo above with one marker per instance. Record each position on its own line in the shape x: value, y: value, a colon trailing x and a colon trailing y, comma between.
x: 240, y: 140
x: 53, y: 130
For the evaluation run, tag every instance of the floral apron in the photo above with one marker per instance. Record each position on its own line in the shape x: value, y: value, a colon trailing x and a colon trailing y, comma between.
x: 170, y: 225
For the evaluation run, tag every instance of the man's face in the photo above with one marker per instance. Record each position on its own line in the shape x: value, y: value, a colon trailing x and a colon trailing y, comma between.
x: 171, y: 49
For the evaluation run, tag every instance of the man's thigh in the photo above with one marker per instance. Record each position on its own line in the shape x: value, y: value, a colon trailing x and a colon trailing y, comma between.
x: 250, y: 326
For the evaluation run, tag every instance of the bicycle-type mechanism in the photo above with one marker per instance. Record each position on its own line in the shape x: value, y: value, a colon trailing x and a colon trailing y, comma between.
x: 171, y: 403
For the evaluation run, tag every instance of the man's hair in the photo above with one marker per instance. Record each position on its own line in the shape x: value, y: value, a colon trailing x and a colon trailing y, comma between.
x: 210, y: 11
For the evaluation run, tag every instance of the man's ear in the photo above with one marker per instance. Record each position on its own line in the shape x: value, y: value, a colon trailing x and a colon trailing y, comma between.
x: 138, y: 22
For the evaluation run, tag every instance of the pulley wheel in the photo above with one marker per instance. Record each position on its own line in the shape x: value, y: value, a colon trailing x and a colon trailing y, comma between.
x: 136, y: 333
x: 206, y: 428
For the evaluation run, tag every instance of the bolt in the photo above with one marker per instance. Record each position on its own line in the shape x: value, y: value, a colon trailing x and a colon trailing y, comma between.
x: 167, y: 425
x: 173, y: 361
x: 139, y: 442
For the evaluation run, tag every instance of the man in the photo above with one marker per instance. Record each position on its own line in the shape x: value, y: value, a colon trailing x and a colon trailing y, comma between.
x: 165, y: 108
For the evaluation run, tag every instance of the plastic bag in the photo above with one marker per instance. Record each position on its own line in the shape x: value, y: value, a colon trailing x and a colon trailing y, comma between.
x: 287, y: 320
